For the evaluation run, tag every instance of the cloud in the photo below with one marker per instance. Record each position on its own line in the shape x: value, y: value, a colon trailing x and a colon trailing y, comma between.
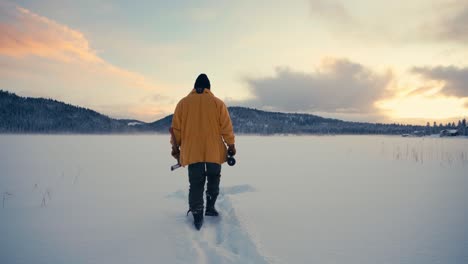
x: 24, y: 34
x: 425, y: 90
x: 375, y: 21
x: 31, y: 34
x: 337, y: 86
x: 455, y: 79
x: 451, y: 23
x: 419, y: 21
x: 43, y: 58
x: 332, y: 10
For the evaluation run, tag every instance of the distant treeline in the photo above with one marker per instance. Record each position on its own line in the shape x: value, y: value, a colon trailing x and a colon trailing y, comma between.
x: 39, y: 115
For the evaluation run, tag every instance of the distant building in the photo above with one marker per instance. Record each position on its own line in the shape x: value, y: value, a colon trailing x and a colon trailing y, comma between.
x: 419, y: 133
x: 134, y: 123
x: 449, y: 133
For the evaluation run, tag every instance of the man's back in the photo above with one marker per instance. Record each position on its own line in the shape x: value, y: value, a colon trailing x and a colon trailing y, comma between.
x: 201, y: 124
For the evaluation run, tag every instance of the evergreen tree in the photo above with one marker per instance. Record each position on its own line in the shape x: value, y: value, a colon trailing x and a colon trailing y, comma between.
x: 464, y: 131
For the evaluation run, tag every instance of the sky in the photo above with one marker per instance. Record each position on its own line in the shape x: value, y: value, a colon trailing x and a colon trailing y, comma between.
x: 361, y: 60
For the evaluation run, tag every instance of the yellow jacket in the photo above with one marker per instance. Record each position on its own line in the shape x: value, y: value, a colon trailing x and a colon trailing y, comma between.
x: 202, y: 128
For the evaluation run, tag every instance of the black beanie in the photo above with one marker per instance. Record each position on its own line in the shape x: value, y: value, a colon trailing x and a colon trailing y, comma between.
x: 201, y: 83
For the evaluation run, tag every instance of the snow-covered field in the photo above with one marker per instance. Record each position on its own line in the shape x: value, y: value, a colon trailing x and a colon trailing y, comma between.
x: 289, y: 199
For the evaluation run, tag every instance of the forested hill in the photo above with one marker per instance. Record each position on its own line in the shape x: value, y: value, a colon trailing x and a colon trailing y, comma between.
x: 253, y: 121
x: 39, y: 115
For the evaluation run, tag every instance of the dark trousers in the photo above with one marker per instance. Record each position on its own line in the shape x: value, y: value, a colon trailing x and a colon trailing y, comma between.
x: 198, y: 174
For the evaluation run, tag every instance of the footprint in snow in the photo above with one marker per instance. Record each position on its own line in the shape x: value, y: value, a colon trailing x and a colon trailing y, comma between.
x: 222, y: 239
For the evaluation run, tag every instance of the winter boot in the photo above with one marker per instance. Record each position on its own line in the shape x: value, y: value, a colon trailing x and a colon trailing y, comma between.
x: 210, y: 206
x: 197, y: 217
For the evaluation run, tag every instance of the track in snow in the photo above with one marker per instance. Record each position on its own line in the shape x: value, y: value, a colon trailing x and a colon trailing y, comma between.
x: 222, y: 239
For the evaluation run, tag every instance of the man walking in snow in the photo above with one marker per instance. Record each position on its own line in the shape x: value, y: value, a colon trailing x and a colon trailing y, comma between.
x: 203, y: 129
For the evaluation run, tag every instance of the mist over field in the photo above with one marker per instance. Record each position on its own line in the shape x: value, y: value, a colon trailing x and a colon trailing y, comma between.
x: 289, y: 199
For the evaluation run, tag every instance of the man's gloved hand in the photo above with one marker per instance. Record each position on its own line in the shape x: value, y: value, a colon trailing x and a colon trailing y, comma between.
x: 175, y: 153
x: 232, y: 149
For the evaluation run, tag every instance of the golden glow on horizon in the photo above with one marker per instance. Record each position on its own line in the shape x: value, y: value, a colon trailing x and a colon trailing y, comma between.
x: 423, y: 103
x: 422, y: 107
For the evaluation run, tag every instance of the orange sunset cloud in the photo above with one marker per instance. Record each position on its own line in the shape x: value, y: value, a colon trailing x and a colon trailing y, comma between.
x: 29, y: 34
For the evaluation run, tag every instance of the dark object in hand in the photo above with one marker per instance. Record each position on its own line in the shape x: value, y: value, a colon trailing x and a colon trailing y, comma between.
x: 231, y: 161
x: 232, y: 150
x: 175, y: 153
